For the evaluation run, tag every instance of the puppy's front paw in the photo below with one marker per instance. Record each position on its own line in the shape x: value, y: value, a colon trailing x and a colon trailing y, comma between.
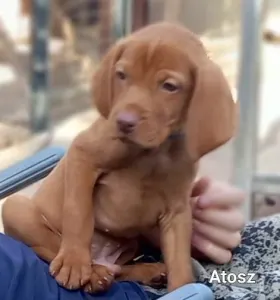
x: 101, y: 279
x: 72, y: 268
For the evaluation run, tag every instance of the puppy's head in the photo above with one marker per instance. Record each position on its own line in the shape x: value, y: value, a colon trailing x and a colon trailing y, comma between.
x: 159, y: 82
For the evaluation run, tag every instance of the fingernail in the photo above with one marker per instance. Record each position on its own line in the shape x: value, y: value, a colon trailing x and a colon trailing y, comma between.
x: 163, y: 274
x: 111, y: 274
x: 106, y: 279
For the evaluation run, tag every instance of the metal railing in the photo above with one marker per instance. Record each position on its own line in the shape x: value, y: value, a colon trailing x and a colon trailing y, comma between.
x: 246, y: 144
x: 39, y: 81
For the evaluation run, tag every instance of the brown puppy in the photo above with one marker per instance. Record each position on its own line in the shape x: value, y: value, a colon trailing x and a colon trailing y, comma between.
x: 163, y: 105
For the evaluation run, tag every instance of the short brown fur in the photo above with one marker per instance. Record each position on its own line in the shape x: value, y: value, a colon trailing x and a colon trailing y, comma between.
x: 112, y: 186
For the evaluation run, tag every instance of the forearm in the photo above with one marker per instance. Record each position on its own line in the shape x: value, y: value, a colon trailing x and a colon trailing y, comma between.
x: 79, y: 180
x: 92, y: 152
x: 175, y: 239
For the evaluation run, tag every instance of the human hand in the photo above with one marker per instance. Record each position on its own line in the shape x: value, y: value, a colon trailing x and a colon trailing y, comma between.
x: 217, y: 219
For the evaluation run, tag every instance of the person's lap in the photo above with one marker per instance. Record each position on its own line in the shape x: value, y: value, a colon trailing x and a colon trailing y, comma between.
x: 24, y: 276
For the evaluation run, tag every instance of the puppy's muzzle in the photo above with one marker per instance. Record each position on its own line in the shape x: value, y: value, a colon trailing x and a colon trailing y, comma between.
x: 127, y: 122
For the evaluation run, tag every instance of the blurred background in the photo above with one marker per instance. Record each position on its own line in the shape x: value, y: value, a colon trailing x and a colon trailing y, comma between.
x: 50, y: 49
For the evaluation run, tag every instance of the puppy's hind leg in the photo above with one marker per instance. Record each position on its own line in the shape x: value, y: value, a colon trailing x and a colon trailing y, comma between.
x: 23, y: 222
x: 150, y: 274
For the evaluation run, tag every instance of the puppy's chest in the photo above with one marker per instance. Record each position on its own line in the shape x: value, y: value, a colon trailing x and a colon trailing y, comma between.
x: 131, y: 199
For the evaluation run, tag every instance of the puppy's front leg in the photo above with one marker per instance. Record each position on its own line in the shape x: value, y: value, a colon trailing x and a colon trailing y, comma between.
x: 92, y: 152
x: 176, y: 230
x: 72, y: 265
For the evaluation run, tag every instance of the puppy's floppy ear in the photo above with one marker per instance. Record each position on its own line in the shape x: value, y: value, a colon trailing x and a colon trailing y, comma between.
x: 211, y: 116
x: 103, y: 80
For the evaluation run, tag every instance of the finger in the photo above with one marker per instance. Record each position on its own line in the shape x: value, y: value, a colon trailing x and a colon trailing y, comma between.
x: 215, y: 253
x: 231, y: 220
x: 221, y: 195
x: 221, y: 237
x: 200, y: 186
x: 193, y: 202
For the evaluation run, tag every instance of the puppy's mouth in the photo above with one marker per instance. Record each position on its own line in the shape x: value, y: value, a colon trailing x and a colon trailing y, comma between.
x: 141, y: 143
x: 126, y: 138
x: 145, y: 133
x: 149, y: 141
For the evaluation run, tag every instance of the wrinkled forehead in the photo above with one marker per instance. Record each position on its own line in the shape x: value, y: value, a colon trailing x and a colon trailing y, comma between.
x: 143, y: 56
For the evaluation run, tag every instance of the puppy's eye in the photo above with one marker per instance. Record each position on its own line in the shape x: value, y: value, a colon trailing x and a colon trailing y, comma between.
x: 120, y: 74
x: 170, y: 87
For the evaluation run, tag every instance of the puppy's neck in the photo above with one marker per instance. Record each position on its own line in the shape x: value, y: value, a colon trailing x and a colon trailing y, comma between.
x: 176, y: 135
x: 173, y: 146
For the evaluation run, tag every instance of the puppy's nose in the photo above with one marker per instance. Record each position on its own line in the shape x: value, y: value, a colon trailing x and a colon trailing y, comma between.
x: 127, y: 121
